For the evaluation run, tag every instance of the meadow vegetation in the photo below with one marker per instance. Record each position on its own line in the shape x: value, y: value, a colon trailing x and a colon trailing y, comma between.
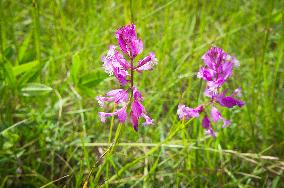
x: 51, y: 73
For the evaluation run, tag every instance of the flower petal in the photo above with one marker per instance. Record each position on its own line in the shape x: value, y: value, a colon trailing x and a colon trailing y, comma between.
x: 205, y: 74
x: 185, y: 112
x: 136, y: 94
x: 210, y: 132
x: 215, y: 114
x: 121, y: 76
x: 230, y: 102
x: 103, y: 115
x: 148, y: 121
x: 113, y: 60
x: 137, y: 108
x: 134, y: 121
x: 147, y: 63
x: 206, y: 124
x: 122, y: 114
x: 214, y: 57
x: 128, y: 41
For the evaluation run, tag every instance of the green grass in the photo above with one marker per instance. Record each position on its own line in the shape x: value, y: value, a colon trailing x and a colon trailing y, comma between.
x: 50, y: 74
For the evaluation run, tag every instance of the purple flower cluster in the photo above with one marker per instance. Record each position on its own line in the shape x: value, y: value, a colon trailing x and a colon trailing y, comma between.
x: 216, y: 71
x: 115, y: 64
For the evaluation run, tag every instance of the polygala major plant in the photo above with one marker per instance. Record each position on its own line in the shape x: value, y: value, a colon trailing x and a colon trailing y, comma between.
x: 216, y: 71
x: 115, y: 64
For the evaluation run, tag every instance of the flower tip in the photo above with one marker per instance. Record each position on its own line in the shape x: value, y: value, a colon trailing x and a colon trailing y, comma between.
x: 211, y: 133
x: 148, y: 120
x: 227, y: 123
x: 241, y: 103
x: 102, y: 117
x: 100, y: 101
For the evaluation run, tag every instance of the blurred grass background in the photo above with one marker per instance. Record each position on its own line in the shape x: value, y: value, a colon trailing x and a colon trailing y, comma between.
x: 50, y: 74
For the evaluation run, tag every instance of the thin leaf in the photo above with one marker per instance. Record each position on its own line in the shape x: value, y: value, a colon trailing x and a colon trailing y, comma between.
x: 23, y: 48
x: 35, y: 89
x: 24, y: 67
x: 76, y: 63
x: 92, y: 79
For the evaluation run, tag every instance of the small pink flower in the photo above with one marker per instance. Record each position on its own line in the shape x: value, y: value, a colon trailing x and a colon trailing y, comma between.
x: 121, y: 113
x: 121, y: 76
x: 147, y: 63
x: 118, y: 96
x: 206, y: 124
x: 216, y: 116
x: 113, y: 60
x: 228, y: 101
x: 138, y: 110
x: 185, y: 112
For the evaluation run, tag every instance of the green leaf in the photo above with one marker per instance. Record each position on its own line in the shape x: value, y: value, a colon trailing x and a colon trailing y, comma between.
x: 275, y: 182
x: 24, y: 67
x: 30, y: 75
x: 9, y: 74
x: 23, y: 47
x: 92, y: 79
x: 76, y: 63
x: 8, y: 52
x: 35, y: 89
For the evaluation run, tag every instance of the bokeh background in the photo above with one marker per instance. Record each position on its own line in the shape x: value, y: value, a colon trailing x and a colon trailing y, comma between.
x: 51, y: 72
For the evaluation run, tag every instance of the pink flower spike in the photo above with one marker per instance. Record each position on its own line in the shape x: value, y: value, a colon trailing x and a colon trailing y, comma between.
x: 217, y: 70
x: 115, y: 64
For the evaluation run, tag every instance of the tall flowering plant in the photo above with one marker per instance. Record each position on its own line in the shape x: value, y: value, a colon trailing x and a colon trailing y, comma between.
x: 115, y: 63
x: 217, y: 70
